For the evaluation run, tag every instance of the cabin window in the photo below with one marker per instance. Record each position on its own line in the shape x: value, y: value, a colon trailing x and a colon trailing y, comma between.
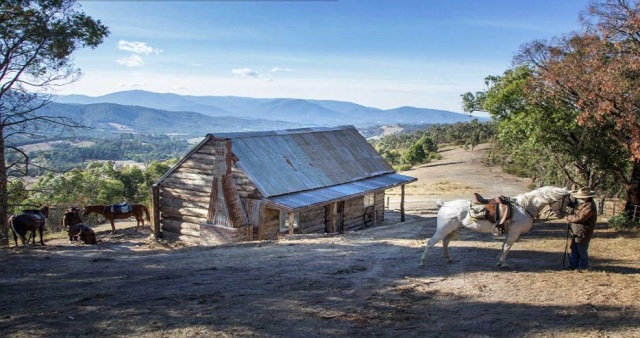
x: 284, y: 220
x: 369, y: 199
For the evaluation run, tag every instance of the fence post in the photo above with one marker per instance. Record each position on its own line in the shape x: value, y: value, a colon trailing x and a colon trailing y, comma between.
x: 613, y: 209
x: 155, y: 211
x: 402, y: 203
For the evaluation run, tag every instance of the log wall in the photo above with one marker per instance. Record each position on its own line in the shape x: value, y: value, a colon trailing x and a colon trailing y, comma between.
x: 270, y: 227
x: 314, y: 220
x: 187, y: 199
x: 185, y: 195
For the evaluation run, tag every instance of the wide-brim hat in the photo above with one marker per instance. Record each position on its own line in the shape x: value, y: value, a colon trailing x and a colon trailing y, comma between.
x: 583, y: 193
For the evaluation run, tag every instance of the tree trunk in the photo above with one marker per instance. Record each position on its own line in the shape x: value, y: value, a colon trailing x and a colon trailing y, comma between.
x: 4, y: 203
x: 633, y: 192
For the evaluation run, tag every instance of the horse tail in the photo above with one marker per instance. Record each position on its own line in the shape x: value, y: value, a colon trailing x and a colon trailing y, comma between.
x: 19, y: 230
x: 13, y: 229
x: 10, y: 223
x: 146, y: 212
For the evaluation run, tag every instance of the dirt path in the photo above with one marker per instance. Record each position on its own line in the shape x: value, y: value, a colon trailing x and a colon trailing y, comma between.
x: 457, y: 176
x: 360, y: 284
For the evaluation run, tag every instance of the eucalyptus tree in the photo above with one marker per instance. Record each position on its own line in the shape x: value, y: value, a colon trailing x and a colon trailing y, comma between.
x: 37, y: 39
x: 541, y: 138
x: 597, y: 73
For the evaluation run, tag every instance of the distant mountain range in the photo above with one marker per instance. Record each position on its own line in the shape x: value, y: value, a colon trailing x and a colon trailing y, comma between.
x: 144, y: 111
x: 111, y: 117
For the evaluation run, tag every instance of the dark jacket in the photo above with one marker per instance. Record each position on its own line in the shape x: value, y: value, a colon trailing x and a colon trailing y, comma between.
x: 583, y: 221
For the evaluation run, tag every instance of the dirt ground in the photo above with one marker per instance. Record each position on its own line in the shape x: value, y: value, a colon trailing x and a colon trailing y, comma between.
x: 360, y: 284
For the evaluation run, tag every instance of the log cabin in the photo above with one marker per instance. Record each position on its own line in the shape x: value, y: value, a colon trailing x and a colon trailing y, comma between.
x: 247, y: 186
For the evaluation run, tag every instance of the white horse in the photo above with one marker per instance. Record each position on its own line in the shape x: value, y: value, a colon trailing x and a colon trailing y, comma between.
x: 525, y: 208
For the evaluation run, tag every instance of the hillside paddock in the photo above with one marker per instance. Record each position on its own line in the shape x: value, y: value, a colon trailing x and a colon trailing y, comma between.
x: 359, y: 284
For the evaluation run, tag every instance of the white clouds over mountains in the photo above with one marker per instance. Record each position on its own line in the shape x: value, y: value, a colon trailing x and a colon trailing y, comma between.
x: 137, y: 48
x: 245, y: 73
x: 248, y: 73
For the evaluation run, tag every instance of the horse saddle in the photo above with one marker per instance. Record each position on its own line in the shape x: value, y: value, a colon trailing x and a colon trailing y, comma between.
x: 497, y: 210
x: 121, y: 208
x: 35, y: 215
x: 503, y: 213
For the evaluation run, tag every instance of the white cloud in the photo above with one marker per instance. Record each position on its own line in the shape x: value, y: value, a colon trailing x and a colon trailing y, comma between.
x: 131, y: 85
x: 131, y: 61
x: 278, y: 69
x: 245, y: 73
x: 137, y: 47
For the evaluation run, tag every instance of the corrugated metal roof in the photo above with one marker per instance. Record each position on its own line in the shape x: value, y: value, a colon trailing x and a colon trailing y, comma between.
x: 305, y: 199
x: 296, y: 160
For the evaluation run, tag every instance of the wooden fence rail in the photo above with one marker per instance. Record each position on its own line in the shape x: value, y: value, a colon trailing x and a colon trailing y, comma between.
x: 609, y: 207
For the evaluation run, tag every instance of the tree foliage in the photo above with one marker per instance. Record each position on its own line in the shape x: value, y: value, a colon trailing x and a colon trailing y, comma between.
x: 597, y: 72
x: 37, y: 39
x: 572, y: 104
x: 99, y: 183
x: 540, y: 138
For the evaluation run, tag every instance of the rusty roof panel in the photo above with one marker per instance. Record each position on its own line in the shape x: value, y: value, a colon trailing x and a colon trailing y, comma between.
x: 289, y: 161
x: 305, y: 199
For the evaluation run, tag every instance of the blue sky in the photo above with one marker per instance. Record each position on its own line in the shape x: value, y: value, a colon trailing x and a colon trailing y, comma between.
x: 378, y: 53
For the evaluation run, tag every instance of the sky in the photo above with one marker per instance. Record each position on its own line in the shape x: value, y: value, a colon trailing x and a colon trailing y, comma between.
x: 378, y: 53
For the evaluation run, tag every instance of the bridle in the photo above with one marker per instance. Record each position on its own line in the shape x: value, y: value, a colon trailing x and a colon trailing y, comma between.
x: 563, y: 204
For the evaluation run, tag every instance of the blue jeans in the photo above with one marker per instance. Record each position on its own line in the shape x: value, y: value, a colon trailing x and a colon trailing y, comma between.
x: 579, y: 258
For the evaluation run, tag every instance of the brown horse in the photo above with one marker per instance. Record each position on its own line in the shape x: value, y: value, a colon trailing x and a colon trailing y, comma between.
x: 109, y: 213
x: 29, y: 220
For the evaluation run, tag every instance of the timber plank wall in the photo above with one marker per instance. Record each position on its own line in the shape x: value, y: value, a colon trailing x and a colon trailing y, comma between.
x: 185, y: 199
x: 185, y: 194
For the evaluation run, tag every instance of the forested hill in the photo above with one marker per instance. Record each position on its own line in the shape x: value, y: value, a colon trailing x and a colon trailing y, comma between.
x: 110, y: 117
x: 299, y: 111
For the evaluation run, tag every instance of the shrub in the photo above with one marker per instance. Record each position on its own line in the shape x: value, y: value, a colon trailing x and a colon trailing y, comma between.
x: 402, y: 167
x: 621, y: 221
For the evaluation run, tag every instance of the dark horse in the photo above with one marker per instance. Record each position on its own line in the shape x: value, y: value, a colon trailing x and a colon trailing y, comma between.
x: 106, y: 211
x: 75, y: 228
x: 29, y: 220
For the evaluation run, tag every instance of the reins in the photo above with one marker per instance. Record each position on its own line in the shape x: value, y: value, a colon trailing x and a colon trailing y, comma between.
x: 515, y: 202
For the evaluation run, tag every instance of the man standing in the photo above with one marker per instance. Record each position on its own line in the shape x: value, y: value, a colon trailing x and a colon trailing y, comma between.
x: 582, y: 222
